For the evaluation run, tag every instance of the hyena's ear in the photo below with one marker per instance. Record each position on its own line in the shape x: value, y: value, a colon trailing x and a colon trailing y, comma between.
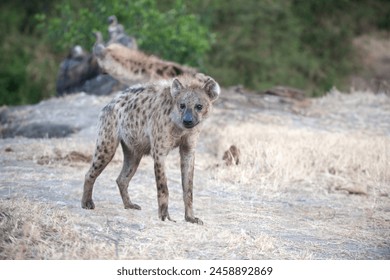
x: 212, y: 89
x: 176, y: 87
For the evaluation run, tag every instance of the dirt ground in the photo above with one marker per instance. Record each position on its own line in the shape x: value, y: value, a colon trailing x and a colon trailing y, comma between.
x: 313, y: 182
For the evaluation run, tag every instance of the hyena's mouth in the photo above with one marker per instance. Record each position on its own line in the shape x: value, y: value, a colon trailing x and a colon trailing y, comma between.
x: 190, y: 124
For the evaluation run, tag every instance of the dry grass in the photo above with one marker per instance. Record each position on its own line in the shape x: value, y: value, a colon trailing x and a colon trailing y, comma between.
x: 279, y: 155
x: 292, y: 196
x: 33, y: 230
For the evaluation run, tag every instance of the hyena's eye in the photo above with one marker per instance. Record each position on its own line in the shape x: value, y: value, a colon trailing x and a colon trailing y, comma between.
x: 198, y: 107
x: 182, y: 106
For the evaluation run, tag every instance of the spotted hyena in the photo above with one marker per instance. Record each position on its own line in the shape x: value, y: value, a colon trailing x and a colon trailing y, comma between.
x: 153, y: 119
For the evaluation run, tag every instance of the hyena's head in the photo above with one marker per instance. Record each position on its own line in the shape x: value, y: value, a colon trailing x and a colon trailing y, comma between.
x: 193, y: 102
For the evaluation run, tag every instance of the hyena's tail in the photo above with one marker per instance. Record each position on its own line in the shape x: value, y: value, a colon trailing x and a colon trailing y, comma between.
x: 107, y: 140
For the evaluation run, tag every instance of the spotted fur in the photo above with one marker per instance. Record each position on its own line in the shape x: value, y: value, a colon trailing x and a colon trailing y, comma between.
x: 153, y: 119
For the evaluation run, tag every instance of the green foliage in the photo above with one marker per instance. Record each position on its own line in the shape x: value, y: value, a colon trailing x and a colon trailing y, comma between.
x: 259, y: 49
x: 174, y: 35
x: 330, y: 43
x: 26, y: 72
x: 257, y: 43
x: 25, y: 76
x: 305, y: 44
x: 268, y: 43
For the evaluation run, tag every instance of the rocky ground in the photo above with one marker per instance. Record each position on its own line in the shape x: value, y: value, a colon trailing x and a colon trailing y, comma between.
x: 313, y: 182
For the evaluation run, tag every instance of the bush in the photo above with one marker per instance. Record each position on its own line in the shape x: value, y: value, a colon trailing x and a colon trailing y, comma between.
x: 26, y: 75
x: 304, y: 44
x: 260, y: 44
x: 174, y: 35
x: 26, y: 72
x: 267, y: 43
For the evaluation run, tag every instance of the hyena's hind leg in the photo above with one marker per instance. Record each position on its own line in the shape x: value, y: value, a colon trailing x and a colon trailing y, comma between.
x: 131, y: 160
x: 106, y: 145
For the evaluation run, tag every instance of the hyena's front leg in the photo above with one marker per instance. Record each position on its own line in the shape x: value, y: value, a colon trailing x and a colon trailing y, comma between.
x: 187, y: 160
x: 162, y: 188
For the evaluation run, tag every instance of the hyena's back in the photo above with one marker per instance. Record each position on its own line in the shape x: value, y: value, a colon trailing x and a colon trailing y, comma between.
x: 131, y: 117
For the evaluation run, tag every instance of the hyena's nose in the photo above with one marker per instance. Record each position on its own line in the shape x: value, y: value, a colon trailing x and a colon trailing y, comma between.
x: 188, y: 120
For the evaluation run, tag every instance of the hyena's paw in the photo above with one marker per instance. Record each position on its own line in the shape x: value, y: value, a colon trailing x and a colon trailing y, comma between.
x: 132, y: 206
x: 88, y: 204
x: 164, y: 215
x: 194, y: 220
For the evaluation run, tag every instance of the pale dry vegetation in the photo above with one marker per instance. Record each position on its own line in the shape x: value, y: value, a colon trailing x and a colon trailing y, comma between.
x: 309, y: 185
x: 34, y: 230
x: 280, y: 155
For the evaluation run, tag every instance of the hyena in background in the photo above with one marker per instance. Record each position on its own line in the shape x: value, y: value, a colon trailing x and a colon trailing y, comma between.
x: 153, y: 119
